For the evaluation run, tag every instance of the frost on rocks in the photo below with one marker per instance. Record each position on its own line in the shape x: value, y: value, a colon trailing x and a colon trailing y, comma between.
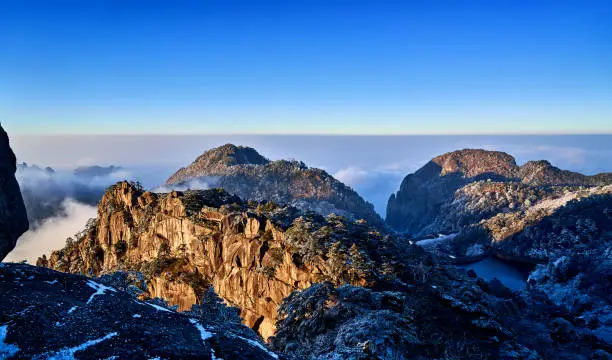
x: 6, y: 350
x: 475, y: 250
x: 100, y: 289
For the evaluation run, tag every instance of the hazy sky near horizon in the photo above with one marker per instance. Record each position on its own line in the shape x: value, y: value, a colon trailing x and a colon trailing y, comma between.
x: 317, y: 66
x: 373, y: 165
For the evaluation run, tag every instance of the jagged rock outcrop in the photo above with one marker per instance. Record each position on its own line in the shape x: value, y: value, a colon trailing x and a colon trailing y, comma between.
x: 45, y: 314
x: 253, y: 254
x: 544, y: 173
x: 444, y: 315
x: 13, y: 216
x: 242, y: 171
x: 425, y: 195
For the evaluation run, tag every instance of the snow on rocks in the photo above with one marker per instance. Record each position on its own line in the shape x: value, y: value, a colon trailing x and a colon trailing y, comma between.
x: 68, y: 353
x: 255, y: 344
x: 100, y: 289
x: 6, y: 350
x: 204, y: 334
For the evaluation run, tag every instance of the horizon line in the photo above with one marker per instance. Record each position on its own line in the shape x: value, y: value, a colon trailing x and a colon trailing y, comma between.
x: 155, y: 134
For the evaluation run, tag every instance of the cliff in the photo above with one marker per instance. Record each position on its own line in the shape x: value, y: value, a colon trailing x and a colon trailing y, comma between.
x: 253, y: 254
x: 243, y: 172
x: 13, y: 216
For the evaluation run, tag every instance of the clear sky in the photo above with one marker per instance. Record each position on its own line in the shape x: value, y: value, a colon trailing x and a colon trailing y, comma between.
x: 306, y: 66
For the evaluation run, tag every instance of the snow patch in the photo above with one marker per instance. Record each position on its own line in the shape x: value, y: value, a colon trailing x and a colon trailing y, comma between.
x: 68, y: 353
x: 72, y: 309
x: 435, y: 241
x: 6, y: 350
x: 100, y: 289
x: 157, y: 307
x: 52, y: 282
x: 137, y: 316
x: 256, y: 344
x: 205, y: 335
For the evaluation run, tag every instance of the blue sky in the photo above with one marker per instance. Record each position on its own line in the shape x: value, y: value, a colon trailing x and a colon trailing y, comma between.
x: 305, y: 67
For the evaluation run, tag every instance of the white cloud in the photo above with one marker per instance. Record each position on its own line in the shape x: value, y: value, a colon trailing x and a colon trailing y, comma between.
x: 53, y: 232
x: 351, y: 175
x: 196, y: 184
x: 567, y: 154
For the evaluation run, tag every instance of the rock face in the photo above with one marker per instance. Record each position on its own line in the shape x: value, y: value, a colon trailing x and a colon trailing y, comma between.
x: 445, y: 315
x: 253, y: 254
x: 423, y: 194
x: 13, y: 217
x: 242, y: 171
x: 49, y: 315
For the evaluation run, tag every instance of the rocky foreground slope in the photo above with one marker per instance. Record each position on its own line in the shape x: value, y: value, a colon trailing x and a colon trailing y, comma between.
x: 45, y: 314
x: 243, y: 172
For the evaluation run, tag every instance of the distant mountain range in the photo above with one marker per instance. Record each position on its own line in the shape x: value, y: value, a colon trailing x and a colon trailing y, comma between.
x: 423, y: 194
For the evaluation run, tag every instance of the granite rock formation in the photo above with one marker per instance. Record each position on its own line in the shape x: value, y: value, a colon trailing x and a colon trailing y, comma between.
x: 253, y: 254
x: 243, y: 172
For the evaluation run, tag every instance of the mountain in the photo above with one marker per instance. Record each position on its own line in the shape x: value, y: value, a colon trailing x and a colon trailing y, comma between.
x: 316, y: 287
x: 13, y: 219
x: 253, y: 254
x: 242, y: 171
x: 323, y: 287
x: 422, y: 195
x: 95, y: 171
x: 45, y: 314
x: 556, y: 222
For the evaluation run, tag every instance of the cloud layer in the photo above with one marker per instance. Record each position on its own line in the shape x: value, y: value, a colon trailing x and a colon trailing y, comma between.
x: 52, y: 233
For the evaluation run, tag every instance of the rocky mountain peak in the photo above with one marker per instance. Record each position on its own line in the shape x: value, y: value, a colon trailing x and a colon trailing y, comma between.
x: 474, y: 162
x: 423, y: 194
x: 243, y: 172
x: 217, y: 161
